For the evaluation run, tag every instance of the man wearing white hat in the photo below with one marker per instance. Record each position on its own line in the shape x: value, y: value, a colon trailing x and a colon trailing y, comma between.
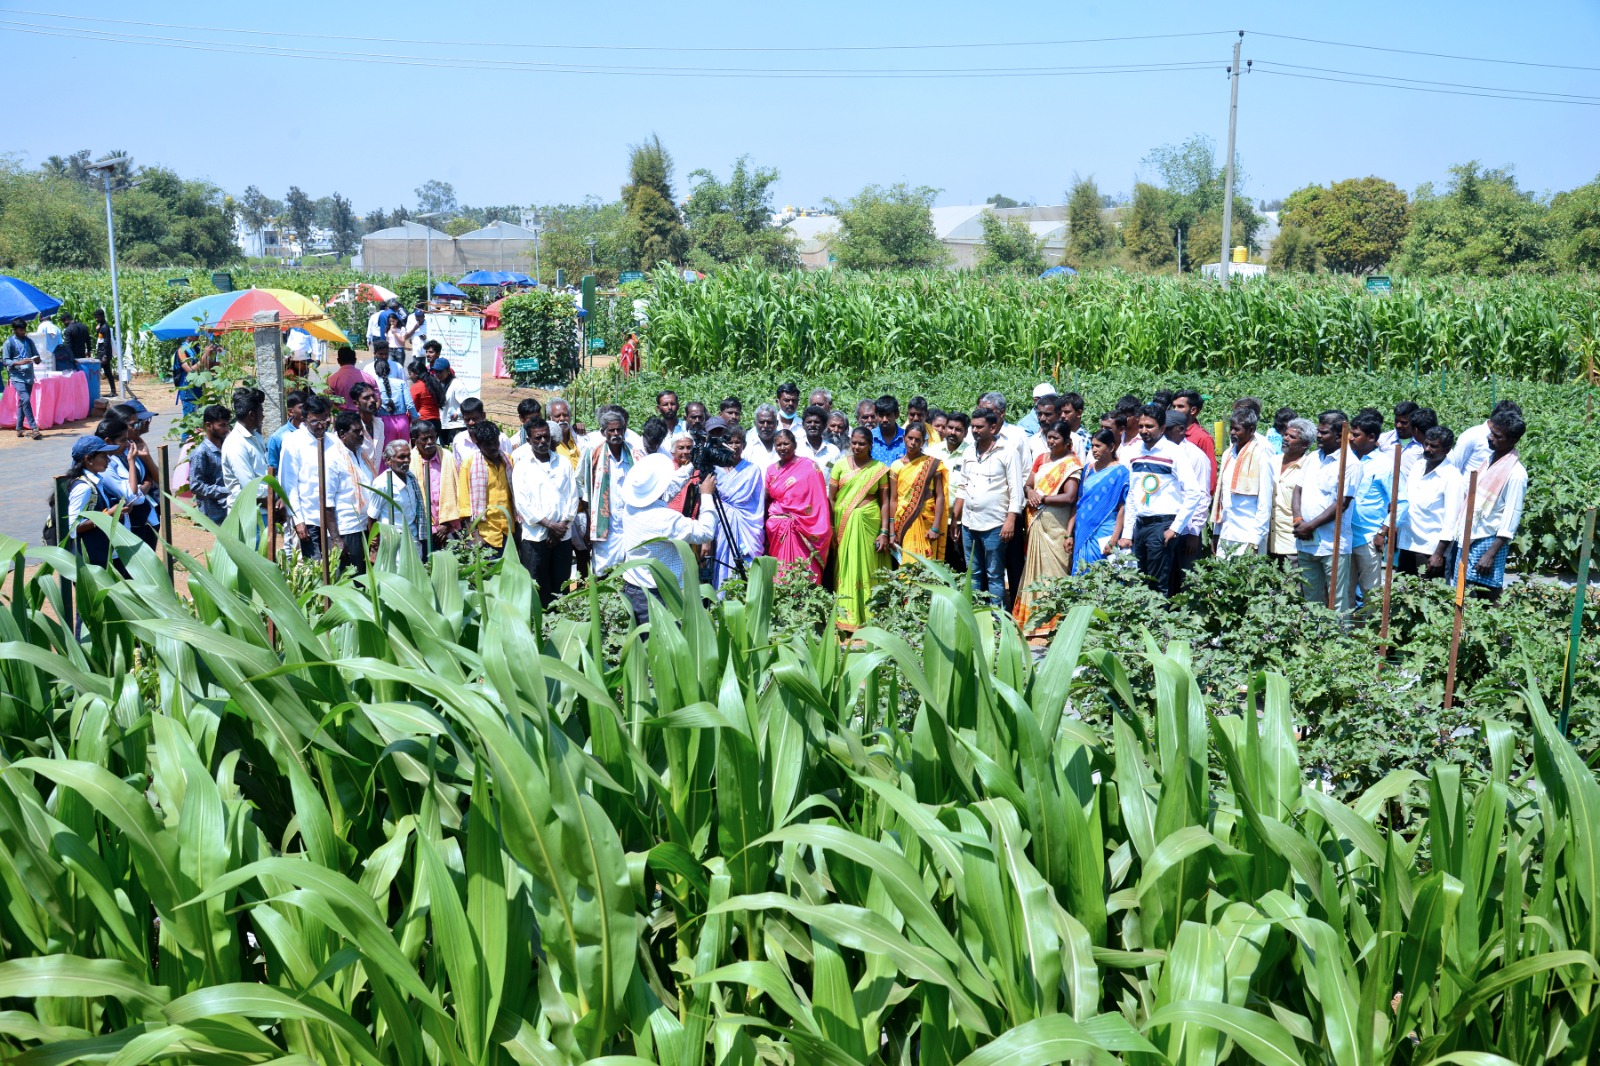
x: 1029, y: 423
x: 652, y: 525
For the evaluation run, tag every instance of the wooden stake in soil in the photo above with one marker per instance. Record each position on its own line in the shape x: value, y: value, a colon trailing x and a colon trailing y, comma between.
x: 164, y: 506
x: 1388, y: 554
x: 63, y: 490
x: 427, y: 508
x: 1579, y: 595
x: 1338, y: 516
x: 1464, y: 549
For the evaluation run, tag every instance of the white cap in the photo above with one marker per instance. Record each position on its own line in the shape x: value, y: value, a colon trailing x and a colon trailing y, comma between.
x: 1044, y: 388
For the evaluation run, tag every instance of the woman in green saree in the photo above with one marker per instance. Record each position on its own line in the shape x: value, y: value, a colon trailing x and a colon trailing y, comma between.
x: 860, y: 489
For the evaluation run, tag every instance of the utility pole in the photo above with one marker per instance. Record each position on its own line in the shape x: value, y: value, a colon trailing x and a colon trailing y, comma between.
x: 1227, y: 191
x: 106, y: 167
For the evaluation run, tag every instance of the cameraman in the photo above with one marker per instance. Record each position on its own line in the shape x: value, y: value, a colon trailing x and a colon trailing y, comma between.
x: 652, y: 523
x: 744, y: 498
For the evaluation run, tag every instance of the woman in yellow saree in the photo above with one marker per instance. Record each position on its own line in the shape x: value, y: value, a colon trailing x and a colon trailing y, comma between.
x: 1052, y: 492
x: 860, y: 489
x: 920, y: 483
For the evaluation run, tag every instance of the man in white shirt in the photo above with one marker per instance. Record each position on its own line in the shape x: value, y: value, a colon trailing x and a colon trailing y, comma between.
x: 789, y: 416
x: 759, y: 443
x: 347, y: 495
x: 1047, y: 409
x: 1015, y: 440
x: 365, y: 398
x: 1194, y: 467
x: 394, y: 498
x: 667, y: 411
x: 809, y: 443
x: 1402, y: 433
x: 1242, y: 506
x: 374, y: 332
x: 1497, y: 506
x: 472, y: 413
x: 990, y: 499
x: 600, y: 476
x: 298, y: 473
x: 244, y: 452
x: 1166, y: 491
x: 652, y: 527
x: 1472, y: 447
x: 1433, y: 492
x: 545, y: 496
x: 953, y: 449
x: 1316, y: 501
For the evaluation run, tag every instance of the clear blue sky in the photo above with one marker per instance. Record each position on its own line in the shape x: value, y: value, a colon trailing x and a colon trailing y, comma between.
x: 375, y: 131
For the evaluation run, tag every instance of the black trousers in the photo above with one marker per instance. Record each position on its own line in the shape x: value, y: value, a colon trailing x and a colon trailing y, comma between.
x: 1158, y: 558
x: 353, y: 548
x: 1016, y: 552
x: 550, y: 563
x: 1410, y: 562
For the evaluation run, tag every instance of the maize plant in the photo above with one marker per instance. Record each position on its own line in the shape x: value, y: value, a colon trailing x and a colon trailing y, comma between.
x: 839, y: 321
x: 389, y: 824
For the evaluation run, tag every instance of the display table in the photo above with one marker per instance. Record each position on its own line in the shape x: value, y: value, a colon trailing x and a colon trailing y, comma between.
x: 57, y: 398
x: 500, y: 362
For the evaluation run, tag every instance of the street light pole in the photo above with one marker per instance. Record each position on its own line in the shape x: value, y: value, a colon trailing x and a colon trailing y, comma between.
x: 428, y: 242
x: 1227, y: 191
x: 591, y: 242
x: 105, y: 167
x: 537, y: 228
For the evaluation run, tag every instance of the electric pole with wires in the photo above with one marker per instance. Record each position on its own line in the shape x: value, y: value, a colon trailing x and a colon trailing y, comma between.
x: 1227, y: 189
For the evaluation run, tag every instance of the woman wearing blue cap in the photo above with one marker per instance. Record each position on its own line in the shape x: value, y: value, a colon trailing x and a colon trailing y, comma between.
x: 90, y: 456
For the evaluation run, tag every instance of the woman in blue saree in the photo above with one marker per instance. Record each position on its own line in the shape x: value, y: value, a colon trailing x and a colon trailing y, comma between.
x: 1101, y: 496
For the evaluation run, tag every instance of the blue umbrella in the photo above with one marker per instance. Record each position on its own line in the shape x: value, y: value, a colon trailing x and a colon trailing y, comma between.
x: 192, y: 317
x: 18, y: 299
x: 444, y: 288
x: 1058, y: 272
x: 486, y: 277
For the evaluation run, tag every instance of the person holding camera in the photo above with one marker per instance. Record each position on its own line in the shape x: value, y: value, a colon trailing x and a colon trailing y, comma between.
x: 744, y: 498
x: 652, y: 524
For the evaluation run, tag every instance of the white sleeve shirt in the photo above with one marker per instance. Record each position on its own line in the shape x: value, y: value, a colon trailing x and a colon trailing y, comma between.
x: 1433, y: 507
x: 1503, y: 518
x: 1194, y: 480
x: 542, y: 492
x: 1472, y: 449
x: 244, y: 459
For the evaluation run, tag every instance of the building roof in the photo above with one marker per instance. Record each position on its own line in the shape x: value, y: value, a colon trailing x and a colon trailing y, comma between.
x: 406, y: 231
x: 963, y: 223
x: 500, y: 230
x: 812, y: 230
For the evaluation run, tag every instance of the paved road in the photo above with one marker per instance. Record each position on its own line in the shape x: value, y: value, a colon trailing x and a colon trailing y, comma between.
x: 28, y: 469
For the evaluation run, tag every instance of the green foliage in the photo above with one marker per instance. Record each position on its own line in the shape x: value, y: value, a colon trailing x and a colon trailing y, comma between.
x: 1194, y: 183
x: 1146, y: 233
x: 887, y: 228
x: 1088, y: 235
x: 1556, y: 450
x: 836, y: 320
x: 541, y: 325
x: 652, y: 230
x: 299, y: 212
x: 1575, y: 219
x: 1295, y: 250
x: 1481, y: 224
x: 404, y: 824
x: 566, y: 229
x: 1009, y: 247
x: 1358, y: 224
x: 731, y: 221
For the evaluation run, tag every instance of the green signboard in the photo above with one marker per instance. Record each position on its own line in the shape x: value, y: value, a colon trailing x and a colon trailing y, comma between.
x: 630, y: 275
x: 1379, y: 283
x: 524, y: 366
x: 596, y: 343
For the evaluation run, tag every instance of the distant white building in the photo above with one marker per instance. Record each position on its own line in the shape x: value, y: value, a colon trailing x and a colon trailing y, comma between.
x: 959, y: 229
x: 1235, y: 270
x: 269, y: 242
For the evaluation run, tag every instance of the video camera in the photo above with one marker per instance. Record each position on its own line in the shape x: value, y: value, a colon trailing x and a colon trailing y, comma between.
x: 708, y: 454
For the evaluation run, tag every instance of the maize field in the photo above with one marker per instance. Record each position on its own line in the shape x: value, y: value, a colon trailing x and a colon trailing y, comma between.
x: 391, y: 825
x: 1536, y: 329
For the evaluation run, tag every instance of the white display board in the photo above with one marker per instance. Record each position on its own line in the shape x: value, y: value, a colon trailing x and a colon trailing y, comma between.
x: 460, y: 342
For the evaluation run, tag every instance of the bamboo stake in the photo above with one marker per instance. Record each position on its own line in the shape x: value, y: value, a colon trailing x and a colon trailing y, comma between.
x: 164, y: 508
x: 1388, y: 554
x: 63, y: 492
x: 272, y: 550
x: 1338, y: 515
x: 1571, y: 676
x: 1461, y: 590
x: 322, y: 507
x: 427, y: 506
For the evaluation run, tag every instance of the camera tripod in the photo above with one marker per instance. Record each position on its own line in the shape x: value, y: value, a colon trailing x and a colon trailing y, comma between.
x: 722, y: 523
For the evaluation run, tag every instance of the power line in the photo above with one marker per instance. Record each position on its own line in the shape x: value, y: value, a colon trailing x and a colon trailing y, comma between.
x: 631, y: 47
x: 1430, y: 55
x: 1425, y: 81
x: 1425, y: 89
x: 530, y: 66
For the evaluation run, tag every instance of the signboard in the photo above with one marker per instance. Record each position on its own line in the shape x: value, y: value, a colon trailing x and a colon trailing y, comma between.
x: 524, y: 366
x: 629, y: 275
x: 596, y: 343
x: 460, y: 343
x: 1379, y: 283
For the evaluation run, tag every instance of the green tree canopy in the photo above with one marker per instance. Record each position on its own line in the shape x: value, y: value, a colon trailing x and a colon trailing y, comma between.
x: 342, y: 221
x: 300, y: 212
x: 731, y: 221
x: 1195, y: 182
x: 1009, y: 247
x: 654, y: 232
x: 1088, y: 236
x: 1481, y: 224
x: 1146, y: 233
x: 887, y: 229
x: 1294, y: 249
x: 1358, y: 224
x: 435, y: 195
x: 1575, y: 222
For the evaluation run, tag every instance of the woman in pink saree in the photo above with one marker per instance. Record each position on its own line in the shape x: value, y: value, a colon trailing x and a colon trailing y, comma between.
x: 799, y: 520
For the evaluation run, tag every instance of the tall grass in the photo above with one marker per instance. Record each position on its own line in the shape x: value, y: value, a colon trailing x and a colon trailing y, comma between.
x: 401, y: 829
x: 1537, y: 329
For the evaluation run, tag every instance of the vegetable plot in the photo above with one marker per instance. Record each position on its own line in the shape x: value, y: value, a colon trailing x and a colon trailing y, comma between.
x: 397, y: 829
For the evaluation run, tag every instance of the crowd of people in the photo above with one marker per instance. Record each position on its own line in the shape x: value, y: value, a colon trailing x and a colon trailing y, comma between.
x: 841, y: 494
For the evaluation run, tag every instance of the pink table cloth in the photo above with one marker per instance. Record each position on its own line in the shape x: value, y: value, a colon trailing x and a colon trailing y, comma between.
x: 56, y: 398
x: 500, y: 362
